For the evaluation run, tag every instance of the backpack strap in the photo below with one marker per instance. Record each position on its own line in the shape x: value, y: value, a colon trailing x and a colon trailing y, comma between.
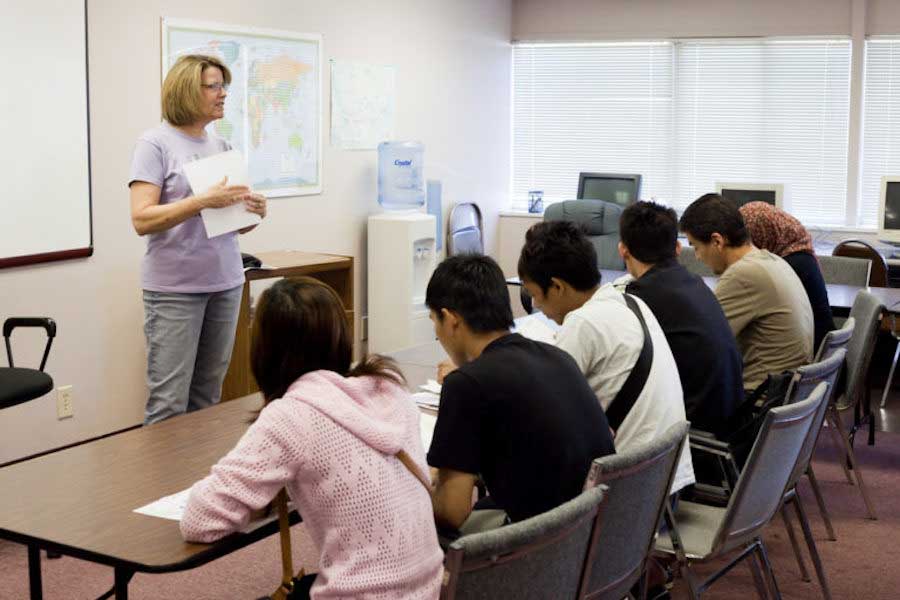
x: 411, y: 466
x: 621, y: 405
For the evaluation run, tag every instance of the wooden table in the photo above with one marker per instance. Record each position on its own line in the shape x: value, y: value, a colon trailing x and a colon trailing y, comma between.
x: 80, y: 501
x: 336, y: 271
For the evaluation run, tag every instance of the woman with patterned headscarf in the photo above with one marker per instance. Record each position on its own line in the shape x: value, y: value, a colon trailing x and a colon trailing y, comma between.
x: 780, y: 233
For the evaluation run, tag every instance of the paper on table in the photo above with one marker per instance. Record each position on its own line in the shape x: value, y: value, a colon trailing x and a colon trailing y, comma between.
x: 204, y: 173
x: 536, y: 327
x: 168, y: 507
x: 172, y: 507
x: 431, y: 386
x: 429, y: 399
x: 426, y: 429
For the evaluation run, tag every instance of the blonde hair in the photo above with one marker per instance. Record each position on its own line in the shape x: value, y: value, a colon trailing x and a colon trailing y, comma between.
x: 182, y: 92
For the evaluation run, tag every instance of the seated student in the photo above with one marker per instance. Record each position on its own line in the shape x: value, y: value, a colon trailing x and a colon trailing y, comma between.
x: 330, y: 434
x: 558, y: 267
x: 516, y: 412
x: 702, y: 344
x: 780, y: 233
x: 763, y: 300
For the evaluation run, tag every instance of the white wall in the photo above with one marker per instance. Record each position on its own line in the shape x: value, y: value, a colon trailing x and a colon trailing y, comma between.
x: 628, y: 19
x: 453, y: 83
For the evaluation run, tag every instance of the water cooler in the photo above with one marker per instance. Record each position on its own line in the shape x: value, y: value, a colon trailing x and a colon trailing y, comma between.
x: 401, y: 261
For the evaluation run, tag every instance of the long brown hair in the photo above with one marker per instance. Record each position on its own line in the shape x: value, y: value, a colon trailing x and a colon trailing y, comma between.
x: 300, y: 326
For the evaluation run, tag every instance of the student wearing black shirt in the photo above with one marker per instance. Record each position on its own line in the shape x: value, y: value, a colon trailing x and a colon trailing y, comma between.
x: 705, y: 350
x: 517, y: 413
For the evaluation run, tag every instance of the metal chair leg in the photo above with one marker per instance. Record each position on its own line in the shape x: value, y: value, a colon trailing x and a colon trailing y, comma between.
x: 811, y: 545
x: 890, y: 379
x: 833, y: 416
x: 823, y: 510
x: 756, y: 570
x: 804, y: 574
x: 851, y: 456
x: 767, y: 568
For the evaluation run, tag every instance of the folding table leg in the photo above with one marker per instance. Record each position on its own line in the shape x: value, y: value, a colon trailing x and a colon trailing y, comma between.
x: 34, y: 573
x: 123, y: 576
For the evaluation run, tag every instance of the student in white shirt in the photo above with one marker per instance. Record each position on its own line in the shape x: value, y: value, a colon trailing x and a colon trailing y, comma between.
x: 558, y: 267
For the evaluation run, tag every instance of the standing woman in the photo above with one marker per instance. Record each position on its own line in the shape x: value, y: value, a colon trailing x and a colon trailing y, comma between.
x: 192, y: 284
x: 781, y: 233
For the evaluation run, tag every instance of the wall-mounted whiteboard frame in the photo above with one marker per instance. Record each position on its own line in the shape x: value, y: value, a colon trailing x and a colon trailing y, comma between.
x: 45, y: 126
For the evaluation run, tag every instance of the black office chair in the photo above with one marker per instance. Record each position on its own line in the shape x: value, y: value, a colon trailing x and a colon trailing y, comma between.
x: 18, y: 384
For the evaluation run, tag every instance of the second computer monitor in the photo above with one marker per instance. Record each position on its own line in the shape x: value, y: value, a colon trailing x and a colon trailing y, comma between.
x: 611, y: 187
x: 743, y: 193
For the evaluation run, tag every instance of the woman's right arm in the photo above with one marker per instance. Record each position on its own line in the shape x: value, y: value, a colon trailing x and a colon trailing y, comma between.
x: 149, y: 216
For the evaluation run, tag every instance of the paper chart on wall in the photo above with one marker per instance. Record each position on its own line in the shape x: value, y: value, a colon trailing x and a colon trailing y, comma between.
x: 363, y: 104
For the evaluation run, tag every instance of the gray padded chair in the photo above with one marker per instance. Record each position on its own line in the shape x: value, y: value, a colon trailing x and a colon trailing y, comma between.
x: 699, y: 533
x: 802, y: 386
x: 540, y: 557
x: 639, y: 481
x: 601, y: 224
x: 688, y: 259
x: 844, y: 270
x: 464, y: 230
x: 866, y: 312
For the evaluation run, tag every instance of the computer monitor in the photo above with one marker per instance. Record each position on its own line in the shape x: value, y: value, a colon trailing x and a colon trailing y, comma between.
x: 612, y: 187
x: 742, y: 193
x: 889, y: 210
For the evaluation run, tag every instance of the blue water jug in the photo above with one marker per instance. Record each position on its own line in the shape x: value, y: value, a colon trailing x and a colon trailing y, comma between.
x: 400, y: 182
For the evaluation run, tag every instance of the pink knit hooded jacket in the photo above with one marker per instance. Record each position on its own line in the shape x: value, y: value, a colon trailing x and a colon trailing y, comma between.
x: 331, y: 440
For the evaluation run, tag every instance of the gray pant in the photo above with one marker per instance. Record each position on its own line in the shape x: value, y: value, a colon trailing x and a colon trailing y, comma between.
x: 189, y: 342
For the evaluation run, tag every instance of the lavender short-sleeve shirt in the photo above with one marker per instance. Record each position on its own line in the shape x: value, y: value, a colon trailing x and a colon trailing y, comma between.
x: 182, y: 259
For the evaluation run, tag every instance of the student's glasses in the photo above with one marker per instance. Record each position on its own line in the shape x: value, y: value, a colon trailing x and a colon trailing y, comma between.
x: 216, y: 87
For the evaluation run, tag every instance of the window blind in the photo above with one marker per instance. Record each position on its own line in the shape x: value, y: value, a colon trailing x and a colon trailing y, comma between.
x: 590, y: 107
x: 765, y: 111
x: 685, y: 115
x: 881, y: 124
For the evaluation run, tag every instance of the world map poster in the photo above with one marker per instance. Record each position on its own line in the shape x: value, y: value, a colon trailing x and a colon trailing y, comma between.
x: 273, y: 113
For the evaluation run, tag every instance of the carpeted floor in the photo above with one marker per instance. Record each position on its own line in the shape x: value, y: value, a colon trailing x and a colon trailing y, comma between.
x: 859, y: 565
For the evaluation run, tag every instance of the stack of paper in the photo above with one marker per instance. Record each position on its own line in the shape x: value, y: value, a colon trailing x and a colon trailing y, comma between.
x: 536, y: 327
x: 204, y: 173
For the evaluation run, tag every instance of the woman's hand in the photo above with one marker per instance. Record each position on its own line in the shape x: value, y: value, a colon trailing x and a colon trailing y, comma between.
x: 221, y: 194
x: 256, y: 203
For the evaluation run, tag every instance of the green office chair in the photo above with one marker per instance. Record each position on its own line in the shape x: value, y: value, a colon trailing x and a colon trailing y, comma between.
x: 17, y: 384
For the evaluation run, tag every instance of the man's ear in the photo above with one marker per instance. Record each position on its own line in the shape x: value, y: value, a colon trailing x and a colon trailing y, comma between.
x: 623, y: 251
x: 677, y: 248
x: 450, y: 318
x: 718, y: 241
x: 557, y: 284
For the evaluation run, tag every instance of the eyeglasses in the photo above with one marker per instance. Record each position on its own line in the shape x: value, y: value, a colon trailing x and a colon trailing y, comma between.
x: 216, y: 87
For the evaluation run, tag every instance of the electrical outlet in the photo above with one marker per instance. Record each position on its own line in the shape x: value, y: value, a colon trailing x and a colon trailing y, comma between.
x: 64, y: 408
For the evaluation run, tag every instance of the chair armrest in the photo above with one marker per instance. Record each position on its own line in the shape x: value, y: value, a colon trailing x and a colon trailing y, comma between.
x: 48, y: 324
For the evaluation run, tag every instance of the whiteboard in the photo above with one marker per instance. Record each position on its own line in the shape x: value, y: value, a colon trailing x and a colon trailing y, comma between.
x: 45, y: 207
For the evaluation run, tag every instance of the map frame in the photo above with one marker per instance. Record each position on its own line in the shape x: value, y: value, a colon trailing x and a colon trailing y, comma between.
x: 167, y: 24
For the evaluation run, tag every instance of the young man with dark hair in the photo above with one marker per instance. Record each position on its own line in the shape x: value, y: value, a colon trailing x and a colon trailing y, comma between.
x: 605, y: 331
x: 762, y: 298
x: 704, y: 348
x: 516, y: 412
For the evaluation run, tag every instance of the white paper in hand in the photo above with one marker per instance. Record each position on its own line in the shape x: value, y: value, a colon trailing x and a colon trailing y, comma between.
x: 204, y: 173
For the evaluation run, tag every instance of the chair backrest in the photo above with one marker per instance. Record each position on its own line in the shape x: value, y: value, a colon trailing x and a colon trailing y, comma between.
x: 600, y: 221
x: 639, y: 480
x: 464, y: 230
x: 688, y: 259
x: 835, y: 340
x: 540, y: 557
x: 866, y: 311
x: 761, y: 485
x: 878, y: 276
x: 803, y: 385
x: 845, y: 270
